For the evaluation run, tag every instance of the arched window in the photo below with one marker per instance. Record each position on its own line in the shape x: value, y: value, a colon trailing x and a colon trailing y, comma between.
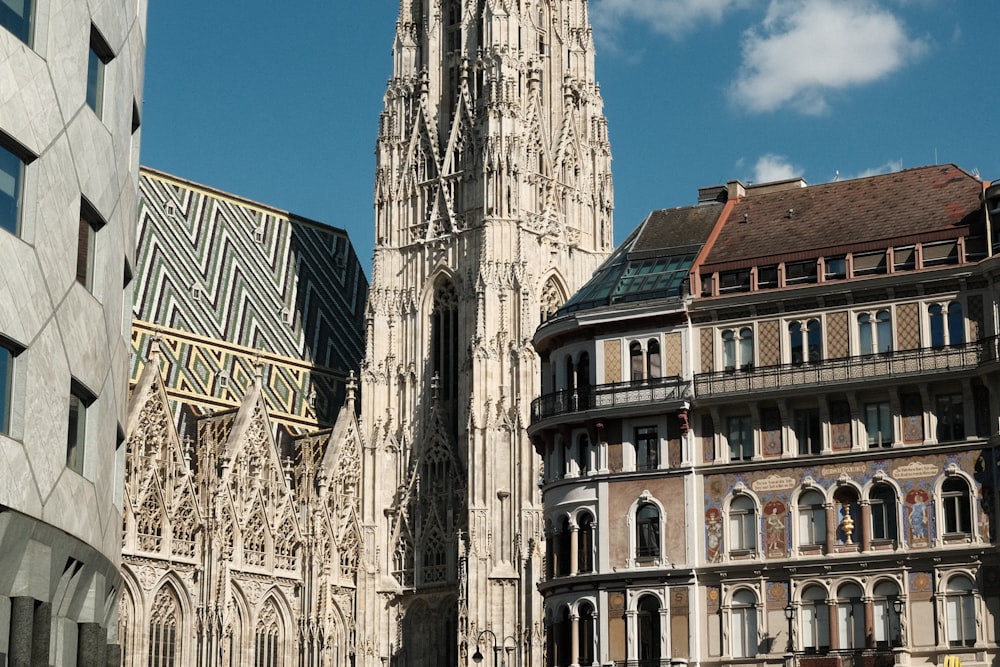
x: 583, y: 381
x: 570, y: 374
x: 886, y: 619
x: 956, y: 324
x: 884, y: 511
x: 737, y: 349
x: 878, y: 340
x: 636, y: 365
x: 742, y: 524
x: 956, y: 506
x: 812, y: 518
x: 729, y: 350
x: 850, y: 617
x: 564, y: 638
x: 647, y: 531
x: 648, y: 622
x: 814, y: 340
x: 746, y: 348
x: 585, y: 648
x: 267, y: 638
x: 744, y: 624
x: 585, y: 544
x: 796, y: 342
x: 935, y: 316
x: 583, y: 454
x: 960, y: 611
x: 848, y: 515
x: 815, y: 620
x: 883, y: 331
x: 562, y: 560
x: 164, y: 641
x: 654, y: 366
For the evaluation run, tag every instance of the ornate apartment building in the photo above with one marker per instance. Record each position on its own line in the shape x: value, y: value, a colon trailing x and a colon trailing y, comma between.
x: 769, y: 426
x: 71, y: 81
x: 493, y: 203
x: 243, y: 454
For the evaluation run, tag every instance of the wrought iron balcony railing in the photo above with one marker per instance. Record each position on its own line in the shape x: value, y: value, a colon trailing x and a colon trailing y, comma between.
x: 619, y: 394
x: 901, y: 363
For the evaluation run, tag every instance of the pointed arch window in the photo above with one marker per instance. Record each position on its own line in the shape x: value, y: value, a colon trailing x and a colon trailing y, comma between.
x: 163, y: 624
x: 253, y: 540
x: 445, y: 352
x: 434, y: 559
x: 149, y: 523
x: 267, y: 638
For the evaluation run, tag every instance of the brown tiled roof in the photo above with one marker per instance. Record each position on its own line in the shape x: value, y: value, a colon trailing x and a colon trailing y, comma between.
x: 924, y: 204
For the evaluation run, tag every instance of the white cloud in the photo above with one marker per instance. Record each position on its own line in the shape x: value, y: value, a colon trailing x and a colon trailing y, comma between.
x: 885, y: 168
x: 667, y: 17
x: 806, y: 49
x: 772, y: 167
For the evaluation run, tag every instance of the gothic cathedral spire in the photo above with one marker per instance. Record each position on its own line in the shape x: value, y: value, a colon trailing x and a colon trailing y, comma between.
x: 493, y: 203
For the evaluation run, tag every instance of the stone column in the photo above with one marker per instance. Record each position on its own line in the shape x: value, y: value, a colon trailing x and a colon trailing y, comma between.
x: 866, y: 525
x: 869, y: 622
x: 90, y: 638
x: 574, y: 549
x: 574, y: 635
x: 834, y: 624
x: 832, y: 521
x: 41, y: 633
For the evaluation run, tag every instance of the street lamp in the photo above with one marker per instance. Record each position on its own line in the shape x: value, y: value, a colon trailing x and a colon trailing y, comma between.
x: 477, y: 657
x: 789, y: 615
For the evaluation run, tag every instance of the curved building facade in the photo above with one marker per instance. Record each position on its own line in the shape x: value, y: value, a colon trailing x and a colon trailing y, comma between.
x: 69, y: 149
x: 769, y: 429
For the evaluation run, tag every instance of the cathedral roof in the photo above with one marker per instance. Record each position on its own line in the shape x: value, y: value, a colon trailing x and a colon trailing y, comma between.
x: 652, y: 263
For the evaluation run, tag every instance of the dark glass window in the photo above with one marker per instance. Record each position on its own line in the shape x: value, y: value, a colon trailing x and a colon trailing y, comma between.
x: 647, y: 448
x: 11, y: 183
x: 797, y: 273
x: 808, y: 431
x: 883, y: 512
x: 740, y: 439
x: 16, y: 16
x: 647, y: 524
x: 957, y: 507
x: 950, y: 418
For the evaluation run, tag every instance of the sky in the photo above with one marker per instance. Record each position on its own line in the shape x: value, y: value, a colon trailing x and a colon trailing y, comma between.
x: 283, y: 107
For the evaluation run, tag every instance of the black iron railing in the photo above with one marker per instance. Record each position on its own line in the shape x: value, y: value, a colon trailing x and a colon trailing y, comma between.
x: 615, y: 395
x: 900, y: 363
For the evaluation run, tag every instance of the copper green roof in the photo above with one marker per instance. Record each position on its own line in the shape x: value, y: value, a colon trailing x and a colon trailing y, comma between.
x: 652, y: 263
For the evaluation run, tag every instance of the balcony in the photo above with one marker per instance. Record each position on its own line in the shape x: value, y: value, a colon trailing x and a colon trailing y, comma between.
x: 897, y: 364
x: 604, y: 396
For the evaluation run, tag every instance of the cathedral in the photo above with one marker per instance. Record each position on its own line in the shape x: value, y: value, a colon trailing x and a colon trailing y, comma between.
x: 316, y: 480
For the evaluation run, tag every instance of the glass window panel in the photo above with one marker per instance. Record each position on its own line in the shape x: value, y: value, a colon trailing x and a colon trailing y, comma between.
x: 956, y: 324
x: 6, y: 368
x: 15, y: 15
x: 11, y: 173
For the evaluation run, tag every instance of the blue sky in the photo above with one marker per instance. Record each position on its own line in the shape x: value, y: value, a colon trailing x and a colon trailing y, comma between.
x: 282, y: 107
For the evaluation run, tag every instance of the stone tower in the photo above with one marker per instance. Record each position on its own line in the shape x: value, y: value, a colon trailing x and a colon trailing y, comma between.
x: 493, y: 204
